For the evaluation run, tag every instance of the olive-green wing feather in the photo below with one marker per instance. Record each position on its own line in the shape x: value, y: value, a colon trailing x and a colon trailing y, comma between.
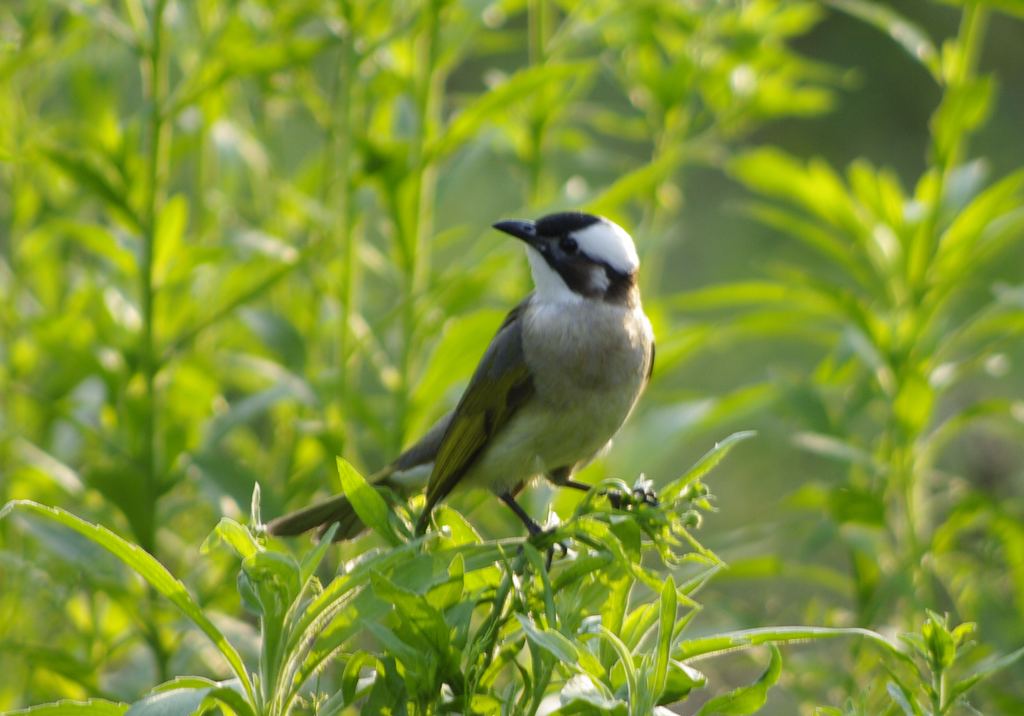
x: 650, y: 366
x: 499, y: 387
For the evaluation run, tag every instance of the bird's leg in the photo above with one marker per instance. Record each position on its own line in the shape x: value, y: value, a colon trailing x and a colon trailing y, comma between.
x: 581, y: 486
x: 531, y: 526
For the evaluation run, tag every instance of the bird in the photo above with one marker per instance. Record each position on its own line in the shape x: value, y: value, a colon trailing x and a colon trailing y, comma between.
x: 565, y: 369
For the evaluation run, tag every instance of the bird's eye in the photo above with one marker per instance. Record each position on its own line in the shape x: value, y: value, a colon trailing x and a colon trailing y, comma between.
x: 568, y: 245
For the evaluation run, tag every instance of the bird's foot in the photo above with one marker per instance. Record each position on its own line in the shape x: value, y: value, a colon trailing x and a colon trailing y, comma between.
x: 558, y: 546
x: 542, y: 539
x: 643, y: 494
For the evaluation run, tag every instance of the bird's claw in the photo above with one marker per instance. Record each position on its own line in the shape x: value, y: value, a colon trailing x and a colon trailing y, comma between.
x: 646, y: 495
x: 559, y: 546
x: 639, y: 495
x: 542, y: 536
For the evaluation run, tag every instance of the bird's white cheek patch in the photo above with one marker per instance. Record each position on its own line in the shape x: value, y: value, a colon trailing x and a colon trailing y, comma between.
x: 598, y: 280
x: 608, y: 242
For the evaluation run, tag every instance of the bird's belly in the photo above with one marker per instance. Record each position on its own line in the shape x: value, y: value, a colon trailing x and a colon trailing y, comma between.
x: 588, y: 369
x: 542, y: 438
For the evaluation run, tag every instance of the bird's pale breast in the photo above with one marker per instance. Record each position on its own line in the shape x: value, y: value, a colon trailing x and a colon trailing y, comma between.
x: 589, y: 363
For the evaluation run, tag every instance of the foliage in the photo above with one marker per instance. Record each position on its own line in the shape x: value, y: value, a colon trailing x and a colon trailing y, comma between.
x: 899, y: 300
x: 243, y: 238
x: 465, y: 625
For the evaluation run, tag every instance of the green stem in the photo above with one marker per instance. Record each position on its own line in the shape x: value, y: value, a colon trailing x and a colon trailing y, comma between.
x: 910, y: 473
x: 154, y: 77
x: 539, y: 22
x: 338, y: 187
x: 938, y: 695
x: 155, y: 82
x: 420, y: 225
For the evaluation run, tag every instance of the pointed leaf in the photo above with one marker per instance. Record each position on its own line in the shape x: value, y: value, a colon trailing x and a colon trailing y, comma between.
x: 366, y: 501
x: 147, y: 567
x: 746, y: 699
x: 706, y: 464
x: 90, y: 707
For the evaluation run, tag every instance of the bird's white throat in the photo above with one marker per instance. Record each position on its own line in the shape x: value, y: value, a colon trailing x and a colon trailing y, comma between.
x: 550, y: 287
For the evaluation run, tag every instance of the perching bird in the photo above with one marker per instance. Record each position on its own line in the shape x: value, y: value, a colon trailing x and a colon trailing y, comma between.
x: 561, y: 375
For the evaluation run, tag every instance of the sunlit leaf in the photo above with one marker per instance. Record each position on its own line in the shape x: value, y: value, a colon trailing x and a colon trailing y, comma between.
x: 366, y: 501
x: 746, y: 699
x: 90, y: 707
x: 146, y: 567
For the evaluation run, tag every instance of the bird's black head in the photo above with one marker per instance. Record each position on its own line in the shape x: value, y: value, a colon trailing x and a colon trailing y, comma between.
x: 578, y: 255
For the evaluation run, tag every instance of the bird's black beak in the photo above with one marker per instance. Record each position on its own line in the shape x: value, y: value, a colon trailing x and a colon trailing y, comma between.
x: 524, y: 230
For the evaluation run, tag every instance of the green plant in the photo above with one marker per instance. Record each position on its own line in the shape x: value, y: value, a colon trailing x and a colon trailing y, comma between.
x: 230, y: 249
x: 901, y: 315
x: 450, y: 622
x: 240, y: 238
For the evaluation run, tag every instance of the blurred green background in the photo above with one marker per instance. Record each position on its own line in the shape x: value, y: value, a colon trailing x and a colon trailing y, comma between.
x: 238, y: 238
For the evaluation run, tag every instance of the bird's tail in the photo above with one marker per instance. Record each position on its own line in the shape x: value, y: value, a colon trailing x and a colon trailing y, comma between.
x: 322, y: 515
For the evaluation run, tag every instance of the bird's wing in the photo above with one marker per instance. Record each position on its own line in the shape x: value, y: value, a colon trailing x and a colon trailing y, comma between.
x: 650, y: 366
x: 422, y: 452
x: 499, y: 387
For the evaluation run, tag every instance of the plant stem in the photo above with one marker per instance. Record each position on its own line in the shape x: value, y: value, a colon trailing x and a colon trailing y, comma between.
x: 154, y: 76
x: 910, y: 467
x: 420, y: 225
x: 337, y: 182
x: 154, y: 72
x: 539, y: 23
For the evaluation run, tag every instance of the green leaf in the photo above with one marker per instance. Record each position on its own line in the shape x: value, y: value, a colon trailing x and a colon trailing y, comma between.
x: 89, y: 707
x: 560, y: 647
x: 147, y: 567
x: 706, y: 464
x: 965, y: 106
x: 746, y: 638
x: 491, y: 107
x: 235, y: 535
x: 312, y: 559
x: 102, y: 242
x: 746, y: 699
x: 984, y: 671
x: 582, y: 695
x: 175, y: 702
x: 168, y: 240
x: 825, y: 243
x: 682, y: 679
x: 279, y: 335
x: 815, y: 187
x: 193, y: 699
x: 639, y: 182
x: 941, y: 649
x: 366, y: 501
x: 909, y: 36
x: 97, y: 176
x: 904, y: 699
x: 537, y: 562
x: 350, y: 677
x: 960, y: 240
x: 835, y: 448
x: 666, y: 624
x: 422, y: 624
x: 227, y: 696
x: 185, y: 682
